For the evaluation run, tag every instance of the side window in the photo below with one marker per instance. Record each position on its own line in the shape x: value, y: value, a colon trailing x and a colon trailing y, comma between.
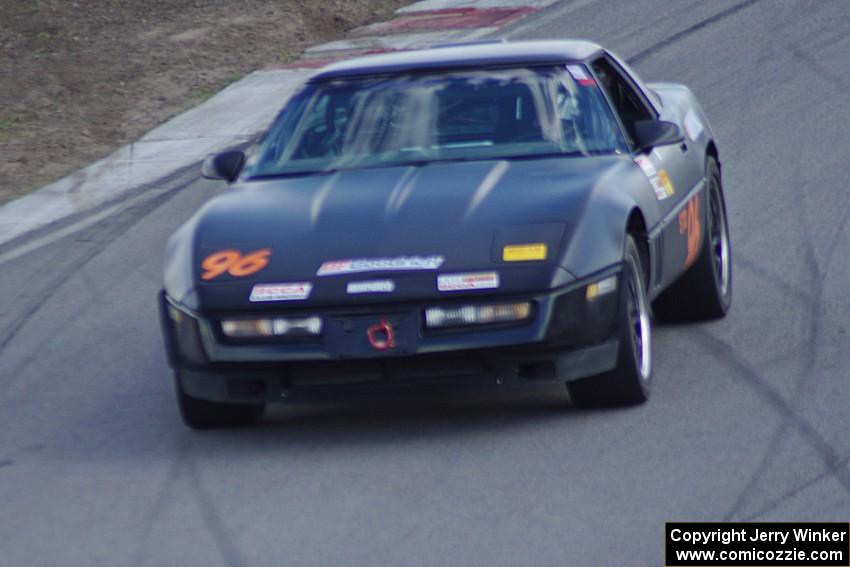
x: 626, y: 101
x: 587, y: 122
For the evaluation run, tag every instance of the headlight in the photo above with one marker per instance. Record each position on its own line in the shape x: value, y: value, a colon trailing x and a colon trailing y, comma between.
x: 476, y: 314
x: 601, y: 288
x: 278, y: 327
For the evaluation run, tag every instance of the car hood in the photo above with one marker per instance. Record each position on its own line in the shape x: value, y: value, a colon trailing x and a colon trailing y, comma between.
x: 459, y: 215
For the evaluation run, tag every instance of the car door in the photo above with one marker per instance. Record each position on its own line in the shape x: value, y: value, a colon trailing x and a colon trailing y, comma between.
x: 668, y: 169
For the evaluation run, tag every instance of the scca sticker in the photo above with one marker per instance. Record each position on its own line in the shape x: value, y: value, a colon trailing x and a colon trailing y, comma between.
x: 690, y: 224
x: 234, y: 263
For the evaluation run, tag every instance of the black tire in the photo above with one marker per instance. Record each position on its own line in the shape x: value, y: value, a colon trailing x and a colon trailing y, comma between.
x: 705, y: 290
x: 202, y: 414
x: 629, y: 382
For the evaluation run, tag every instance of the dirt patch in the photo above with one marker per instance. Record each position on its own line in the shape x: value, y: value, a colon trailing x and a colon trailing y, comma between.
x: 79, y: 78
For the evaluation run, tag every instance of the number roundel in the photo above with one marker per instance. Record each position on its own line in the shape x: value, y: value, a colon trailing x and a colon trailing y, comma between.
x: 234, y: 263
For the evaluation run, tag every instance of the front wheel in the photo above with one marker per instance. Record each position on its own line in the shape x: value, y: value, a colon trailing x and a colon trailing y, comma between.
x: 203, y: 414
x: 705, y: 290
x: 629, y: 382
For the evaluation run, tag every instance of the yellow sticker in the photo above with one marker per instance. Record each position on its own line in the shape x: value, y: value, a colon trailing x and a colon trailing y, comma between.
x: 524, y: 252
x: 665, y: 180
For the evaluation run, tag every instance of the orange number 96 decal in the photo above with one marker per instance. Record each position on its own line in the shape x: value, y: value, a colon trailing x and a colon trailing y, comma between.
x: 234, y: 263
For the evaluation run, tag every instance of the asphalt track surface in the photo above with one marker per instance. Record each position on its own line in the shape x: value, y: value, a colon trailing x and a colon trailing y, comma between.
x: 748, y: 419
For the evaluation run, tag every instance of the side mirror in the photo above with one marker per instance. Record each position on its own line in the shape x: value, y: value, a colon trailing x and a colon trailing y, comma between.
x: 651, y: 133
x: 224, y: 166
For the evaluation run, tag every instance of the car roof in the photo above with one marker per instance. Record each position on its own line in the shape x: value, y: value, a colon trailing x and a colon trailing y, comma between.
x: 462, y: 56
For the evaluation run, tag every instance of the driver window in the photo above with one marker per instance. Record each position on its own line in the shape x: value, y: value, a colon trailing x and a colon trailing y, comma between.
x: 318, y: 128
x: 625, y: 100
x: 587, y: 123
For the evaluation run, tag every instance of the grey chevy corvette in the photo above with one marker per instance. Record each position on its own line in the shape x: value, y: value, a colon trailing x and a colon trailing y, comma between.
x: 494, y: 213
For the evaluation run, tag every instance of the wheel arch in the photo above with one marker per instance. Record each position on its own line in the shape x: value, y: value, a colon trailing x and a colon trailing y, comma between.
x: 636, y: 228
x: 711, y: 151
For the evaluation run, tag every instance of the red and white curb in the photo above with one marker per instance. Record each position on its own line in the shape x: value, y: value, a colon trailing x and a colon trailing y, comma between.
x: 237, y: 114
x: 427, y: 5
x: 344, y: 48
x: 447, y: 19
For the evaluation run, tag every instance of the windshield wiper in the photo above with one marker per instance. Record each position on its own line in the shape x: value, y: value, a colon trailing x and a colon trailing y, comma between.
x: 284, y: 174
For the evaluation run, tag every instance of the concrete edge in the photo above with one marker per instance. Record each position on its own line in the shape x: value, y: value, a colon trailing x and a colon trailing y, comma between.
x: 233, y: 117
x: 215, y: 125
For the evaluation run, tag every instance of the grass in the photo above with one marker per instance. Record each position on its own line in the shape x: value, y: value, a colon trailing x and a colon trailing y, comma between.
x: 10, y: 126
x: 288, y: 56
x: 203, y: 94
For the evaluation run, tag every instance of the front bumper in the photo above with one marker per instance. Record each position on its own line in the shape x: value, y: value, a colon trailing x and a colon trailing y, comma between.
x: 568, y: 337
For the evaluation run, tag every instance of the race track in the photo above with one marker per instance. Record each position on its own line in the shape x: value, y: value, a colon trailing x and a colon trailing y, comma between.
x: 748, y: 419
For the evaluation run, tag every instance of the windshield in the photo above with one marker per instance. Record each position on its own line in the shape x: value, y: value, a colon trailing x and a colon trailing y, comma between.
x: 410, y: 119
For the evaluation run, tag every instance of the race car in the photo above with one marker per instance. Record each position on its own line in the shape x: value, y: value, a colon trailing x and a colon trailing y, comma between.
x: 497, y: 213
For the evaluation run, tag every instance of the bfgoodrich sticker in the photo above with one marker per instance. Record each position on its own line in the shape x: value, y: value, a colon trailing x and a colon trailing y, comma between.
x: 399, y: 263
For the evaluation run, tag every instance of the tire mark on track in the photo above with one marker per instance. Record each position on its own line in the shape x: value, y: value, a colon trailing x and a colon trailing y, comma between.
x: 817, y: 276
x: 125, y: 221
x: 788, y: 495
x: 809, y: 356
x: 106, y: 234
x: 814, y: 322
x: 162, y: 497
x: 770, y: 277
x: 758, y: 472
x: 185, y: 468
x: 212, y: 519
x: 726, y: 354
x: 811, y: 267
x: 658, y: 46
x: 822, y: 71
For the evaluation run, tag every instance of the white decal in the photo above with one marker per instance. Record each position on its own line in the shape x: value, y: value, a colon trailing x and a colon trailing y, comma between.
x: 359, y: 265
x: 281, y: 292
x: 461, y: 282
x: 646, y: 165
x: 579, y: 74
x: 373, y: 286
x: 693, y: 126
x: 659, y: 188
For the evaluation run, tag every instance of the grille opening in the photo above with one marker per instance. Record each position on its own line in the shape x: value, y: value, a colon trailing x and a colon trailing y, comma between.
x: 543, y: 370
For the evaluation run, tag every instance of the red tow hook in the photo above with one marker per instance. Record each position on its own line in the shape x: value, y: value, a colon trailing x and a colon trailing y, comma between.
x: 381, y: 335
